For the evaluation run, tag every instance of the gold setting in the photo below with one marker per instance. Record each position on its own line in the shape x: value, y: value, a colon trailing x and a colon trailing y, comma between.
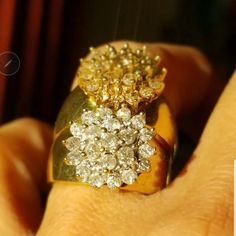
x: 115, y: 80
x: 127, y: 76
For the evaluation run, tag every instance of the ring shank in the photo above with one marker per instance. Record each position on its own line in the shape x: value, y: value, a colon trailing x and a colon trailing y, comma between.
x: 159, y: 117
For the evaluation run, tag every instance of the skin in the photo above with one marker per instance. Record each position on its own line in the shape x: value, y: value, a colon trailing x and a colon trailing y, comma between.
x: 198, y: 202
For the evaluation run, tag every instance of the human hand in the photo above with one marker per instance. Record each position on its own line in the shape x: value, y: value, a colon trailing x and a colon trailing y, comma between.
x: 198, y: 202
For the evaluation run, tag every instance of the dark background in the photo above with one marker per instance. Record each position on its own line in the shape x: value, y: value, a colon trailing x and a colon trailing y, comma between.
x: 50, y: 36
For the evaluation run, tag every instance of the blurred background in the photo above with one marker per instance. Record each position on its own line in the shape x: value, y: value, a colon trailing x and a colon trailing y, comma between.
x: 50, y: 36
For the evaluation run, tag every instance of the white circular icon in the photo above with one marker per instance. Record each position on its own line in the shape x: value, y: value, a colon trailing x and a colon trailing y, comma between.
x: 9, y: 63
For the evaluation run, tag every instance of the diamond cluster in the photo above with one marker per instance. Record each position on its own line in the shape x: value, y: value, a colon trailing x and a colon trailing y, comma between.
x: 113, y: 77
x: 108, y: 147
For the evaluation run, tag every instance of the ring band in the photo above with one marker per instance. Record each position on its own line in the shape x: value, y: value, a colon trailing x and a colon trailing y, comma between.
x: 115, y: 129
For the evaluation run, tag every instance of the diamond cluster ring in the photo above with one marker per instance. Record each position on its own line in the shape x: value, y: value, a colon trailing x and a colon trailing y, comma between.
x: 115, y: 129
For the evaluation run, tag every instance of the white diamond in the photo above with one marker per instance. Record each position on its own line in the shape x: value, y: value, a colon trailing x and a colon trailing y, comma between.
x: 93, y: 131
x: 138, y: 121
x: 146, y: 134
x: 125, y: 153
x: 144, y: 165
x: 83, y: 145
x: 146, y: 92
x: 93, y: 86
x: 71, y: 143
x: 127, y: 124
x: 96, y: 166
x: 155, y: 84
x: 146, y: 150
x: 96, y: 180
x: 96, y: 149
x: 93, y: 150
x: 77, y: 131
x: 108, y: 161
x: 104, y: 96
x: 110, y: 141
x: 128, y: 136
x: 125, y: 62
x: 124, y: 113
x: 74, y: 157
x: 104, y: 113
x: 129, y: 176
x: 83, y: 171
x: 129, y: 79
x: 111, y: 124
x: 132, y: 99
x: 114, y: 181
x: 89, y: 118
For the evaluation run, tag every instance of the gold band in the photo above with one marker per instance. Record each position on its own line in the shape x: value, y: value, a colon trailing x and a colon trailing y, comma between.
x: 147, y: 171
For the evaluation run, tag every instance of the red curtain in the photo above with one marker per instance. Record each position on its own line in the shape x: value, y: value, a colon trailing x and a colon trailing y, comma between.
x: 32, y: 30
x: 7, y: 11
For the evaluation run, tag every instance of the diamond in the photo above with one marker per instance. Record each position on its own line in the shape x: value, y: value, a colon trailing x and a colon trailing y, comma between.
x: 83, y: 171
x: 96, y: 180
x: 110, y: 147
x: 111, y: 124
x: 108, y: 161
x: 92, y: 86
x: 129, y: 176
x: 93, y: 150
x: 93, y: 131
x: 110, y: 141
x: 155, y: 84
x: 144, y: 165
x: 96, y: 166
x: 125, y: 153
x: 89, y: 118
x: 138, y: 121
x: 77, y: 131
x: 104, y: 113
x: 124, y: 113
x: 71, y: 143
x: 104, y: 76
x: 146, y: 150
x: 132, y: 98
x: 128, y: 135
x: 104, y: 96
x: 74, y: 157
x: 146, y: 92
x: 146, y: 134
x: 83, y: 145
x: 128, y: 79
x: 125, y: 62
x: 114, y: 181
x: 71, y: 159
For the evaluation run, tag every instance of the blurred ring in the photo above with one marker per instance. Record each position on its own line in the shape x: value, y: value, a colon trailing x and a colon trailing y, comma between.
x: 115, y: 129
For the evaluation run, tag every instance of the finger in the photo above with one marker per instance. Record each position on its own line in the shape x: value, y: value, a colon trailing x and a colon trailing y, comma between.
x: 203, y: 193
x: 79, y: 210
x: 210, y: 174
x: 198, y: 203
x: 191, y: 85
x: 216, y: 150
x: 24, y: 146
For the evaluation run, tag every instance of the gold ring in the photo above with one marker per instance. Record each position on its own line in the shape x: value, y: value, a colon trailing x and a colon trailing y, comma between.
x: 115, y: 129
